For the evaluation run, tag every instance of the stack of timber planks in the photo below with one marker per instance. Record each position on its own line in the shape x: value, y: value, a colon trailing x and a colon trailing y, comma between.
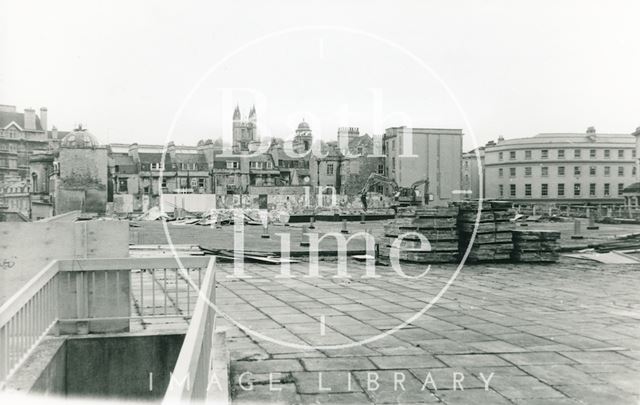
x: 493, y: 240
x: 535, y: 246
x: 437, y: 225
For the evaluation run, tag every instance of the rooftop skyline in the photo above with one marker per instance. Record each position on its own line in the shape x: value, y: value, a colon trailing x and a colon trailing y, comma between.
x: 131, y: 71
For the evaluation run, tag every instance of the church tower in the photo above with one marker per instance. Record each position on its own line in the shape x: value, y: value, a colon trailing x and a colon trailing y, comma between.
x: 244, y: 131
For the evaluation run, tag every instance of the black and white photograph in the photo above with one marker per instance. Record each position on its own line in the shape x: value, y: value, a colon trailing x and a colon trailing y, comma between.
x: 320, y: 202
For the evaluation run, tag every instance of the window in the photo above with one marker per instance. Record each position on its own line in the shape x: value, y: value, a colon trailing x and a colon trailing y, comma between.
x: 607, y: 153
x: 164, y: 182
x: 544, y: 189
x: 393, y: 164
x: 607, y: 171
x: 393, y: 144
x: 592, y: 153
x: 156, y: 166
x: 620, y: 171
x: 329, y: 169
x: 527, y: 154
x: 620, y: 188
x: 607, y: 189
x: 544, y: 154
x: 201, y: 182
x: 380, y: 169
x: 576, y: 189
x: 269, y: 165
x: 123, y: 186
x: 560, y: 189
x: 512, y: 155
x: 512, y: 172
x: 512, y: 190
x: 577, y: 153
x: 255, y: 165
x: 560, y: 170
x: 592, y: 170
x: 576, y: 170
x: 544, y: 171
x: 232, y: 165
x: 500, y: 156
x: 633, y: 171
x: 560, y: 153
x: 592, y: 189
x: 620, y: 153
x: 633, y: 153
x: 527, y: 171
x: 501, y: 190
x: 527, y: 190
x: 500, y: 172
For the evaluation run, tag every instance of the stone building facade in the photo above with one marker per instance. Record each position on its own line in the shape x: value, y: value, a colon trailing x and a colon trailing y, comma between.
x: 472, y: 170
x: 414, y: 154
x: 81, y: 175
x: 21, y: 133
x: 566, y: 168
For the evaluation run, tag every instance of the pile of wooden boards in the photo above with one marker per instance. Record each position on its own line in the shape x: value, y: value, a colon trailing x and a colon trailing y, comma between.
x: 535, y: 246
x: 437, y: 225
x: 492, y: 241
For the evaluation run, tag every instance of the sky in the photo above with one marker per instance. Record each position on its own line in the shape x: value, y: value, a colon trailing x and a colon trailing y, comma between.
x: 151, y: 72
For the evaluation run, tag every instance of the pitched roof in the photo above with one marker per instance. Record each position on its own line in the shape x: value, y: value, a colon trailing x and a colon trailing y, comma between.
x: 7, y: 118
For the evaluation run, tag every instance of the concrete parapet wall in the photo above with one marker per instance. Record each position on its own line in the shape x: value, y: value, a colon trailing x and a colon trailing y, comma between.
x: 112, y: 366
x: 28, y: 247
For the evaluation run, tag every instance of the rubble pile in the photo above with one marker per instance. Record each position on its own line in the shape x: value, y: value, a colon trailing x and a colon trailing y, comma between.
x: 535, y: 246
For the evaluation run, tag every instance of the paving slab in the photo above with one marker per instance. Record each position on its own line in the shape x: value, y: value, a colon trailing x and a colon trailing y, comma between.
x: 550, y: 334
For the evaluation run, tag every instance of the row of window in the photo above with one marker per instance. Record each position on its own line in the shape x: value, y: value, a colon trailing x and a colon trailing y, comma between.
x: 560, y: 171
x: 560, y: 154
x: 194, y: 183
x: 9, y: 133
x: 293, y: 163
x: 560, y: 190
x: 181, y: 166
x: 331, y: 169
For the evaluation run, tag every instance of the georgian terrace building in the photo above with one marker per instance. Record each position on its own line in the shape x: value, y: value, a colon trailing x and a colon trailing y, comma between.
x: 569, y: 168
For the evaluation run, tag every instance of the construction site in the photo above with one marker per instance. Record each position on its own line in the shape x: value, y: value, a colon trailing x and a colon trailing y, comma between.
x: 413, y: 303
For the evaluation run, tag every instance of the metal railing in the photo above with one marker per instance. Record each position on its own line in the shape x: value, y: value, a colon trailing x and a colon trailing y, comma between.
x: 26, y: 318
x: 158, y: 287
x: 97, y: 295
x: 192, y: 373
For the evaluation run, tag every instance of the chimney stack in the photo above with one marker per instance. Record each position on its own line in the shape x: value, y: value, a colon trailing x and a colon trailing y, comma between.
x: 171, y: 149
x: 133, y: 152
x: 43, y: 121
x: 29, y: 119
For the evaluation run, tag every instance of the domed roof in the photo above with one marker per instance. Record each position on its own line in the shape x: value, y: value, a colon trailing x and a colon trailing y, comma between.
x: 80, y: 138
x: 303, y: 125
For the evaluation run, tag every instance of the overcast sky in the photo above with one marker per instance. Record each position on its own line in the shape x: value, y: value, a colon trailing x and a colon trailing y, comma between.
x: 129, y: 70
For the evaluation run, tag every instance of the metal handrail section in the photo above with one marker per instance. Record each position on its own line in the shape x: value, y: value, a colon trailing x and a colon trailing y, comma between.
x: 159, y: 286
x: 33, y: 311
x: 192, y: 373
x: 26, y: 318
